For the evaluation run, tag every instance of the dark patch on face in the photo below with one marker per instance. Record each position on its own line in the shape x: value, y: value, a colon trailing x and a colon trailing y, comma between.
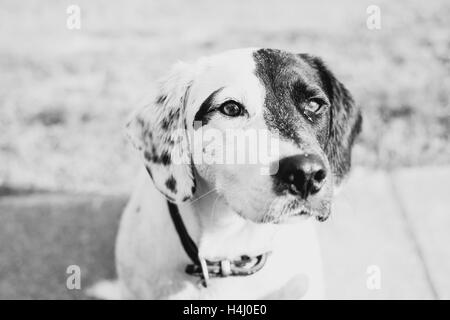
x: 170, y: 120
x: 163, y: 158
x: 161, y: 99
x: 151, y: 156
x: 202, y: 113
x: 165, y: 123
x: 290, y: 82
x: 174, y: 114
x: 345, y: 119
x: 148, y: 156
x: 140, y: 122
x: 171, y: 184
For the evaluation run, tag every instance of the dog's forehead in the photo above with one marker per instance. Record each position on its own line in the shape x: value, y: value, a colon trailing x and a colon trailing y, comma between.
x: 246, y: 75
x: 230, y: 75
x: 250, y: 69
x: 279, y: 68
x: 227, y: 66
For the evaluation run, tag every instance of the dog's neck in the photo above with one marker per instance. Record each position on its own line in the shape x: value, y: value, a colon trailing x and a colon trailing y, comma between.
x: 220, y: 232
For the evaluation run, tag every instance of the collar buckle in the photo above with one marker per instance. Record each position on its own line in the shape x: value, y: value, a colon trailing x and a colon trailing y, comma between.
x: 246, y: 266
x: 206, y: 269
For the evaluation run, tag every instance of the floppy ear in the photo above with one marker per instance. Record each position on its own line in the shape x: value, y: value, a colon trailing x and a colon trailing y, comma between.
x: 159, y: 132
x: 345, y: 120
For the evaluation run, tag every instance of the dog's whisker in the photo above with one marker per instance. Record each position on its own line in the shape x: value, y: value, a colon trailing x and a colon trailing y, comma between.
x: 203, y: 195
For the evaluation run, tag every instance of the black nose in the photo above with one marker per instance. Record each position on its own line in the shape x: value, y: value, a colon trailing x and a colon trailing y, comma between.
x: 303, y: 175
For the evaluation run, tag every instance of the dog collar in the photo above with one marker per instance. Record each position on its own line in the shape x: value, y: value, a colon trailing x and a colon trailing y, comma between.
x: 206, y: 269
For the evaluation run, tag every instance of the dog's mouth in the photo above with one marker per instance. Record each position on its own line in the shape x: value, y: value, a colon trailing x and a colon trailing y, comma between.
x: 307, y: 213
x: 295, y: 210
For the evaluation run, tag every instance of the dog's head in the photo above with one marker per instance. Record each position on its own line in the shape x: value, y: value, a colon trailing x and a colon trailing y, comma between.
x: 293, y: 98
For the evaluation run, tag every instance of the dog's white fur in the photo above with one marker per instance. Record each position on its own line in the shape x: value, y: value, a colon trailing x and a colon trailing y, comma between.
x: 150, y: 259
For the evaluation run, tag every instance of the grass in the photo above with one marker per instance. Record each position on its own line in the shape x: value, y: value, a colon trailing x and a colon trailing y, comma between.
x: 64, y: 95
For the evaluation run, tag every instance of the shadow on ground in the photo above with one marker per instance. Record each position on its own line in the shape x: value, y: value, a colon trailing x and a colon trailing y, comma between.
x: 41, y: 235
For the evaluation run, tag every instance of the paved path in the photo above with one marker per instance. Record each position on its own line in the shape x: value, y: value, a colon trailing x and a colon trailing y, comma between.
x: 398, y: 222
x: 392, y: 225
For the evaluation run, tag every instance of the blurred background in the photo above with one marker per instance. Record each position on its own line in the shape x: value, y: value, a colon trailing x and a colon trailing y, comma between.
x: 66, y: 168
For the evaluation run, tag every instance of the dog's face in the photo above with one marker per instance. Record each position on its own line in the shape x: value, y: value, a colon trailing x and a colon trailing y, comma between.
x: 206, y: 110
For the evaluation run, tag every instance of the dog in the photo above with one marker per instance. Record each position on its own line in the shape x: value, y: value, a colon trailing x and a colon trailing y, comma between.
x: 197, y: 230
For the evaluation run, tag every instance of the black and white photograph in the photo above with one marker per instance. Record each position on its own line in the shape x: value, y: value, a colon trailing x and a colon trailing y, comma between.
x: 224, y: 150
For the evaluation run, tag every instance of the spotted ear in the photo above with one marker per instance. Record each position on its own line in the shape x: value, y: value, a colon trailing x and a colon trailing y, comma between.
x: 159, y: 132
x: 345, y: 120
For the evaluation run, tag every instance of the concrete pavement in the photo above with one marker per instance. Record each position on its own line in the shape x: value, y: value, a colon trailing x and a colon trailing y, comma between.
x: 398, y: 222
x: 393, y: 227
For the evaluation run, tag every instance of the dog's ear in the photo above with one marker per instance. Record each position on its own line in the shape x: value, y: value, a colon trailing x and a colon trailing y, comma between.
x: 345, y: 119
x: 159, y: 132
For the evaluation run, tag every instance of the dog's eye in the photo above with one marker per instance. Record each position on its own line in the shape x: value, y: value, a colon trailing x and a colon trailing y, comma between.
x: 314, y: 105
x: 231, y: 109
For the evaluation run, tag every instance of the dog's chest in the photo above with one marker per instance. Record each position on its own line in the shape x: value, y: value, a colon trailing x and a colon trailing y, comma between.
x: 151, y: 260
